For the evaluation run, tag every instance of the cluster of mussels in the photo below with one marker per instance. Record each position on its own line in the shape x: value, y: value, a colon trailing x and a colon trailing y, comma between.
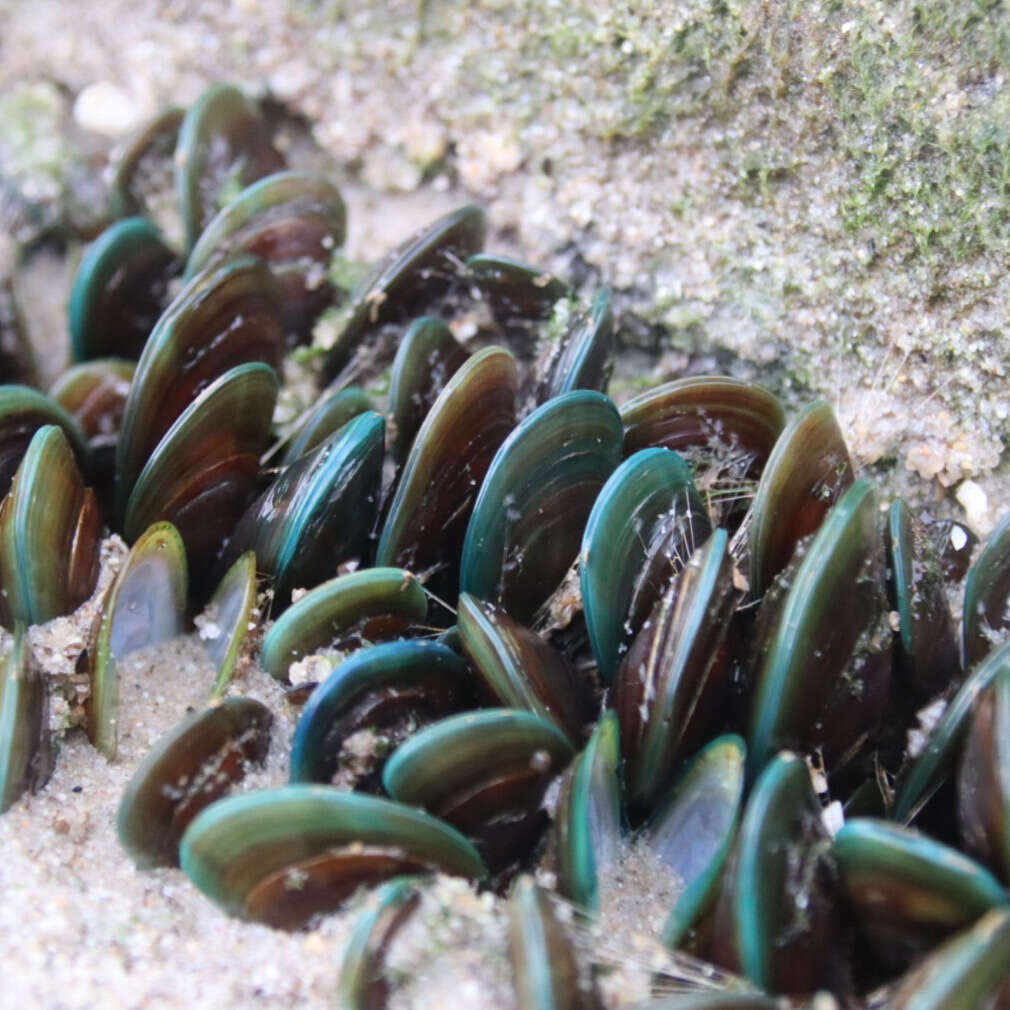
x: 498, y: 558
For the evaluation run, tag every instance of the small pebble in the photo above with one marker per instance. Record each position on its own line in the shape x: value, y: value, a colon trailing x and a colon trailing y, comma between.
x: 107, y: 109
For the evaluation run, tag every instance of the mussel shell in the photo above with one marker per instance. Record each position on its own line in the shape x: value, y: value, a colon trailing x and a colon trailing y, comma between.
x: 968, y: 972
x: 361, y: 985
x: 545, y: 962
x: 908, y: 890
x: 413, y: 276
x: 427, y: 358
x: 428, y: 516
x: 529, y: 516
x: 188, y: 769
x: 693, y: 829
x: 588, y: 817
x: 987, y: 597
x: 672, y: 685
x: 330, y: 414
x: 519, y: 669
x: 435, y: 765
x: 145, y: 605
x: 203, y: 472
x: 94, y: 393
x: 22, y: 412
x: 291, y: 220
x: 224, y: 142
x: 25, y: 752
x: 380, y: 602
x: 513, y: 289
x: 319, y: 511
x: 120, y: 290
x: 927, y: 645
x: 325, y: 882
x: 923, y: 776
x: 374, y: 688
x: 485, y: 773
x: 775, y: 919
x: 231, y: 611
x: 648, y: 502
x: 823, y: 675
x: 223, y: 318
x: 148, y: 154
x: 724, y: 427
x: 580, y: 358
x: 983, y: 782
x: 242, y: 842
x: 49, y: 515
x: 807, y: 472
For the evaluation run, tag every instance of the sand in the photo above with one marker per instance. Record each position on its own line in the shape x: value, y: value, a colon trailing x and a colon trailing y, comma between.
x: 81, y: 927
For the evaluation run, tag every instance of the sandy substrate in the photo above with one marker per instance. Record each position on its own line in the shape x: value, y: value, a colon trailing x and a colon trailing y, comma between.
x: 81, y: 927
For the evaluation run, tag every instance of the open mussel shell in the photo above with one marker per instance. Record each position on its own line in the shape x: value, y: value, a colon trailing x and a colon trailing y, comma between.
x: 428, y: 517
x: 823, y: 675
x: 145, y: 605
x: 513, y: 289
x: 923, y: 776
x: 375, y: 603
x: 529, y: 516
x: 25, y: 754
x: 983, y: 783
x: 224, y: 145
x: 927, y: 651
x: 50, y: 534
x: 519, y: 669
x: 908, y: 890
x: 187, y: 770
x: 120, y: 290
x: 775, y: 919
x: 427, y: 358
x: 362, y: 985
x: 645, y: 524
x: 485, y: 773
x: 987, y: 597
x: 588, y: 818
x: 245, y: 852
x: 227, y: 619
x: 319, y: 511
x: 22, y: 412
x: 578, y: 358
x: 330, y: 414
x: 414, y: 276
x: 148, y: 157
x: 223, y: 318
x: 203, y: 472
x: 383, y: 690
x: 546, y: 967
x: 17, y: 359
x: 673, y: 683
x: 291, y: 220
x: 693, y: 828
x: 968, y: 972
x: 807, y: 472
